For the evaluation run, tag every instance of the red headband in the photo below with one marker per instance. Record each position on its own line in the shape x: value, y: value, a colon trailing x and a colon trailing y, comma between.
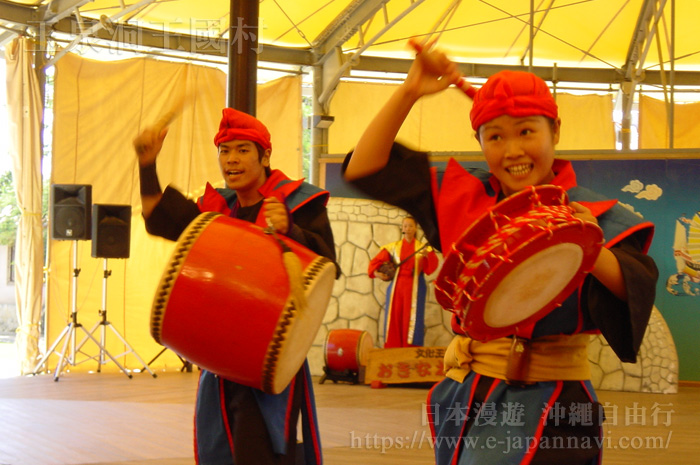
x: 238, y: 125
x: 514, y: 93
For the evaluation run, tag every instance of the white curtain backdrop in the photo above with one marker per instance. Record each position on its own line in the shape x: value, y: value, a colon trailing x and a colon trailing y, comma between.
x: 99, y: 108
x: 26, y: 107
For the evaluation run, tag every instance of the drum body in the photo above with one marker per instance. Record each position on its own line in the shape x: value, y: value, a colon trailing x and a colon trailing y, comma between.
x: 226, y: 303
x: 347, y: 349
x: 517, y: 263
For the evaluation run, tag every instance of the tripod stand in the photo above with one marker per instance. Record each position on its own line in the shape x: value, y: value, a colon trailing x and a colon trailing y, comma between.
x: 69, y: 332
x: 103, y: 324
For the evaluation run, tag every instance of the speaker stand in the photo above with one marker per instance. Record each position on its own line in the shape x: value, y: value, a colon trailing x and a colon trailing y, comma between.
x: 186, y: 366
x: 103, y: 324
x: 68, y: 335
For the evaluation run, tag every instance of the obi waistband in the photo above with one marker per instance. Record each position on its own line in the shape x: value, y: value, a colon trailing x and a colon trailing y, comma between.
x: 550, y: 358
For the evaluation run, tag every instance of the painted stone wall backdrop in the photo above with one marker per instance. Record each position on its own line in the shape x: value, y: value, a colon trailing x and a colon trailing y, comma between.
x: 656, y: 369
x: 360, y: 228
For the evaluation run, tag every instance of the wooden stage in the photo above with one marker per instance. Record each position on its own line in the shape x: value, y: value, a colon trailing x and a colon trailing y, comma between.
x: 108, y: 419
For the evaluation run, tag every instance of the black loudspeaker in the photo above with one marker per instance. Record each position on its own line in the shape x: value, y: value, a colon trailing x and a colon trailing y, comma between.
x: 70, y: 211
x: 111, y: 231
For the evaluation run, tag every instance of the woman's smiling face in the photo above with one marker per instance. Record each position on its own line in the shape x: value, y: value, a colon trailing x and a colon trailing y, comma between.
x: 520, y: 150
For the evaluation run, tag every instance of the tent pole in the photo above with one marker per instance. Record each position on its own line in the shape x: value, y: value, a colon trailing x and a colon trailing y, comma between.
x: 319, y: 136
x: 243, y: 55
x: 531, y: 51
x: 672, y: 110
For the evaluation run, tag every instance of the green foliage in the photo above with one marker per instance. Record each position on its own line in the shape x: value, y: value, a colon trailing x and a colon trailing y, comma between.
x: 307, y: 111
x: 9, y: 211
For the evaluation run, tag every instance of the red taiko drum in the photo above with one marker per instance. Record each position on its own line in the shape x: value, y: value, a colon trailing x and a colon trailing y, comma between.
x: 226, y: 302
x: 347, y: 349
x: 517, y: 263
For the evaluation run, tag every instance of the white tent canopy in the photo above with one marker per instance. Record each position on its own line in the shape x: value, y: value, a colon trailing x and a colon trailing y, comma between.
x: 615, y: 46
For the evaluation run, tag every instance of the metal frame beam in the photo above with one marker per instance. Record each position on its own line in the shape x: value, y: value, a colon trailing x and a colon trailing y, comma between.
x: 217, y: 48
x: 344, y: 26
x: 636, y: 54
x: 56, y: 10
x: 22, y: 15
x: 330, y: 86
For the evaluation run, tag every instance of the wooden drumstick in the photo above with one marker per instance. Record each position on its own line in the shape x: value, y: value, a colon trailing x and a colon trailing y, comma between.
x: 173, y: 112
x: 462, y: 84
x: 164, y: 121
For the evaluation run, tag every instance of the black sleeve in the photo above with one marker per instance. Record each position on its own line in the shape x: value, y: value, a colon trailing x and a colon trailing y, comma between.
x: 404, y: 182
x: 312, y: 228
x: 623, y: 324
x: 171, y: 215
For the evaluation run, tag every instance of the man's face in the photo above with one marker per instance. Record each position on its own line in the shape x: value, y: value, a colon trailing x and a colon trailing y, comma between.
x: 241, y: 166
x: 519, y: 151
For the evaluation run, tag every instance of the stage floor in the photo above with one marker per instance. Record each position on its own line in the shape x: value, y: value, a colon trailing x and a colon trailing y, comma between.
x: 108, y: 419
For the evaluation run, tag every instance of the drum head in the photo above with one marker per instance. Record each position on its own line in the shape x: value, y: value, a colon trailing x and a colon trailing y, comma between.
x: 296, y: 335
x: 532, y: 285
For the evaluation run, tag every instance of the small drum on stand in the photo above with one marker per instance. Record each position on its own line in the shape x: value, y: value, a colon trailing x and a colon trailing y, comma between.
x: 517, y: 263
x: 345, y: 352
x: 230, y: 302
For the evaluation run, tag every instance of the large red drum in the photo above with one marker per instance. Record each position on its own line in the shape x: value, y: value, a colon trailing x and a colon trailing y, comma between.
x: 228, y: 303
x: 347, y: 349
x: 517, y: 263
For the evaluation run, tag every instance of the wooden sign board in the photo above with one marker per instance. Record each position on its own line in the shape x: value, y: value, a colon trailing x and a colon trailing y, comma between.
x: 405, y: 365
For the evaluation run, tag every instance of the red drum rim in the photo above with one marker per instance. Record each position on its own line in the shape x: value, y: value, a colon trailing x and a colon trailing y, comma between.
x: 178, y: 257
x: 362, y: 346
x: 475, y: 280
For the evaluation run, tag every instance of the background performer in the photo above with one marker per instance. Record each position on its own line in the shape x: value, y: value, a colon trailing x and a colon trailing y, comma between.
x: 404, y: 324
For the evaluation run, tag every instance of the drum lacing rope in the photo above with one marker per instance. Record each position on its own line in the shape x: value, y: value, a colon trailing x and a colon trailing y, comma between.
x: 509, y: 231
x: 541, y: 218
x: 444, y: 292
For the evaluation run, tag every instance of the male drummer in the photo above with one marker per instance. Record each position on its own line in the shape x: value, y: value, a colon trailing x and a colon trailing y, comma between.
x: 235, y: 424
x: 482, y: 412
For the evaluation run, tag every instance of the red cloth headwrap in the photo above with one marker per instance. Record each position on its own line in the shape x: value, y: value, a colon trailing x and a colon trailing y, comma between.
x: 514, y: 93
x: 238, y: 125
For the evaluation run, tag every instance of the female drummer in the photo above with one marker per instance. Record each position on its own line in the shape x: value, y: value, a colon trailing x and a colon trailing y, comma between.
x: 478, y: 413
x: 236, y: 424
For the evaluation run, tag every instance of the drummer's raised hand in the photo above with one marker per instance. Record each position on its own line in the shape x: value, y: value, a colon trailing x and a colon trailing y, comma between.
x: 276, y: 214
x: 583, y: 213
x: 432, y: 71
x: 148, y: 144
